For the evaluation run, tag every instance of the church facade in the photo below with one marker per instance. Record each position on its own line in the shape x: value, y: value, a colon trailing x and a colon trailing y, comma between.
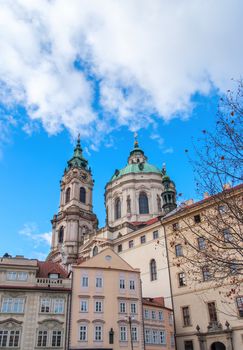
x: 135, y: 198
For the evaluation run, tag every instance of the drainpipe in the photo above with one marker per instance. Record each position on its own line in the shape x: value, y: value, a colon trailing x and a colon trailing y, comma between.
x: 143, y: 330
x: 172, y: 301
x: 69, y: 313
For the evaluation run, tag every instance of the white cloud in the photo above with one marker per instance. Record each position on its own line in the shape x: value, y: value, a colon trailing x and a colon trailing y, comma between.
x: 148, y: 57
x: 30, y: 230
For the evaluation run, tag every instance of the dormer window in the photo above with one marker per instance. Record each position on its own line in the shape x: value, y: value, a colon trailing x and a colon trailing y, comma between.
x: 82, y: 195
x: 53, y: 275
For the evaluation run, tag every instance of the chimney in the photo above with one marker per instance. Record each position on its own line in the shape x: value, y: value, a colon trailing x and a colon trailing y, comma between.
x: 189, y: 202
x: 226, y: 186
x: 206, y: 195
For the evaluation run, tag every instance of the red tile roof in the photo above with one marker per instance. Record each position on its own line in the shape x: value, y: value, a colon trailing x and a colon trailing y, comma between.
x: 47, y: 267
x: 158, y: 302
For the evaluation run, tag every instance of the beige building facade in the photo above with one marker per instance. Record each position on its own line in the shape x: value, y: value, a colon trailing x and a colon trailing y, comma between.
x: 208, y: 309
x: 106, y: 310
x: 34, y: 304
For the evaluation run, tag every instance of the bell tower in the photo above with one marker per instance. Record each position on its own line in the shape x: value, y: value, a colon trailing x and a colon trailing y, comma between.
x: 169, y: 192
x: 75, y: 220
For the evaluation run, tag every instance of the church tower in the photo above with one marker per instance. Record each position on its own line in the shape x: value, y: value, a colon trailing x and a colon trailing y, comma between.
x: 169, y: 192
x: 75, y: 220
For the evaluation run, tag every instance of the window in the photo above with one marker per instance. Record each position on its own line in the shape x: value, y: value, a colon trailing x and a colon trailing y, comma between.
x: 13, y: 305
x: 131, y: 244
x: 175, y: 226
x: 162, y: 337
x: 67, y: 195
x: 155, y: 235
x: 182, y: 279
x: 143, y: 203
x: 84, y: 305
x: 201, y: 243
x: 143, y: 239
x: 153, y: 270
x: 98, y: 333
x: 45, y: 305
x: 42, y: 338
x: 186, y: 316
x: 197, y: 219
x: 147, y: 336
x: 122, y: 307
x: 146, y: 314
x: 119, y: 248
x: 82, y: 195
x: 61, y: 234
x: 58, y: 306
x: 9, y: 338
x: 83, y: 333
x: 98, y: 306
x: 123, y: 333
x: 212, y: 312
x: 132, y: 284
x: 117, y: 208
x: 188, y: 344
x: 154, y: 336
x: 133, y: 308
x: 222, y: 209
x: 172, y: 340
x: 53, y: 275
x: 85, y: 281
x: 153, y: 313
x: 134, y: 331
x: 239, y: 303
x: 122, y: 283
x: 206, y: 273
x: 171, y: 318
x: 227, y: 235
x: 95, y: 250
x: 99, y: 282
x: 20, y: 276
x: 56, y: 338
x: 161, y: 316
x: 178, y: 250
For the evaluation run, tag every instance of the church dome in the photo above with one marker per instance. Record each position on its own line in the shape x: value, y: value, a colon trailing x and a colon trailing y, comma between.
x: 134, y: 169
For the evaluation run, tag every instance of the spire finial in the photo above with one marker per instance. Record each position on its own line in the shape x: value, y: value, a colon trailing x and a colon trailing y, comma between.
x: 78, y: 139
x: 135, y: 140
x: 163, y: 169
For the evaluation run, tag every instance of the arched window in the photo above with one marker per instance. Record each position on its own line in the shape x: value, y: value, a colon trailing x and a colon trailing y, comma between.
x: 117, y: 209
x: 82, y: 195
x: 143, y: 203
x: 95, y: 250
x: 153, y: 270
x: 67, y: 195
x: 60, y: 235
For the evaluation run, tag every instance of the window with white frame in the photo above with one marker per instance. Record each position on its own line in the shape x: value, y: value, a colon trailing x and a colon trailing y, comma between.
x: 98, y: 333
x: 56, y: 338
x: 147, y: 336
x: 161, y: 316
x: 13, y: 305
x: 171, y: 319
x: 133, y: 308
x: 146, y: 314
x: 83, y: 305
x: 155, y: 337
x: 172, y: 340
x: 155, y: 234
x: 122, y: 307
x: 122, y: 283
x: 98, y: 306
x: 239, y: 303
x: 132, y: 284
x: 19, y: 276
x: 41, y: 338
x: 134, y: 333
x: 52, y: 305
x: 83, y: 333
x: 162, y: 337
x: 99, y: 282
x: 85, y: 281
x: 9, y: 338
x: 58, y: 306
x: 123, y: 333
x: 153, y: 314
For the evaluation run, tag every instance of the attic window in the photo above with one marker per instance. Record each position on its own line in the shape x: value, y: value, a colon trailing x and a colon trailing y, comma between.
x: 53, y: 275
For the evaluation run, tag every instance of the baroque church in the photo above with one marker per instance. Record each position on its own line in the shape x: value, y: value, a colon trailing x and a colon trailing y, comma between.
x: 137, y: 197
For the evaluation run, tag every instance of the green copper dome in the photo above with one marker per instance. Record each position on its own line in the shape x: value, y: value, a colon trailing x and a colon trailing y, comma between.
x: 139, y: 168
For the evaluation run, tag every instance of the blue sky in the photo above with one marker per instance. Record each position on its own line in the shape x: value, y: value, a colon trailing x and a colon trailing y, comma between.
x: 103, y: 71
